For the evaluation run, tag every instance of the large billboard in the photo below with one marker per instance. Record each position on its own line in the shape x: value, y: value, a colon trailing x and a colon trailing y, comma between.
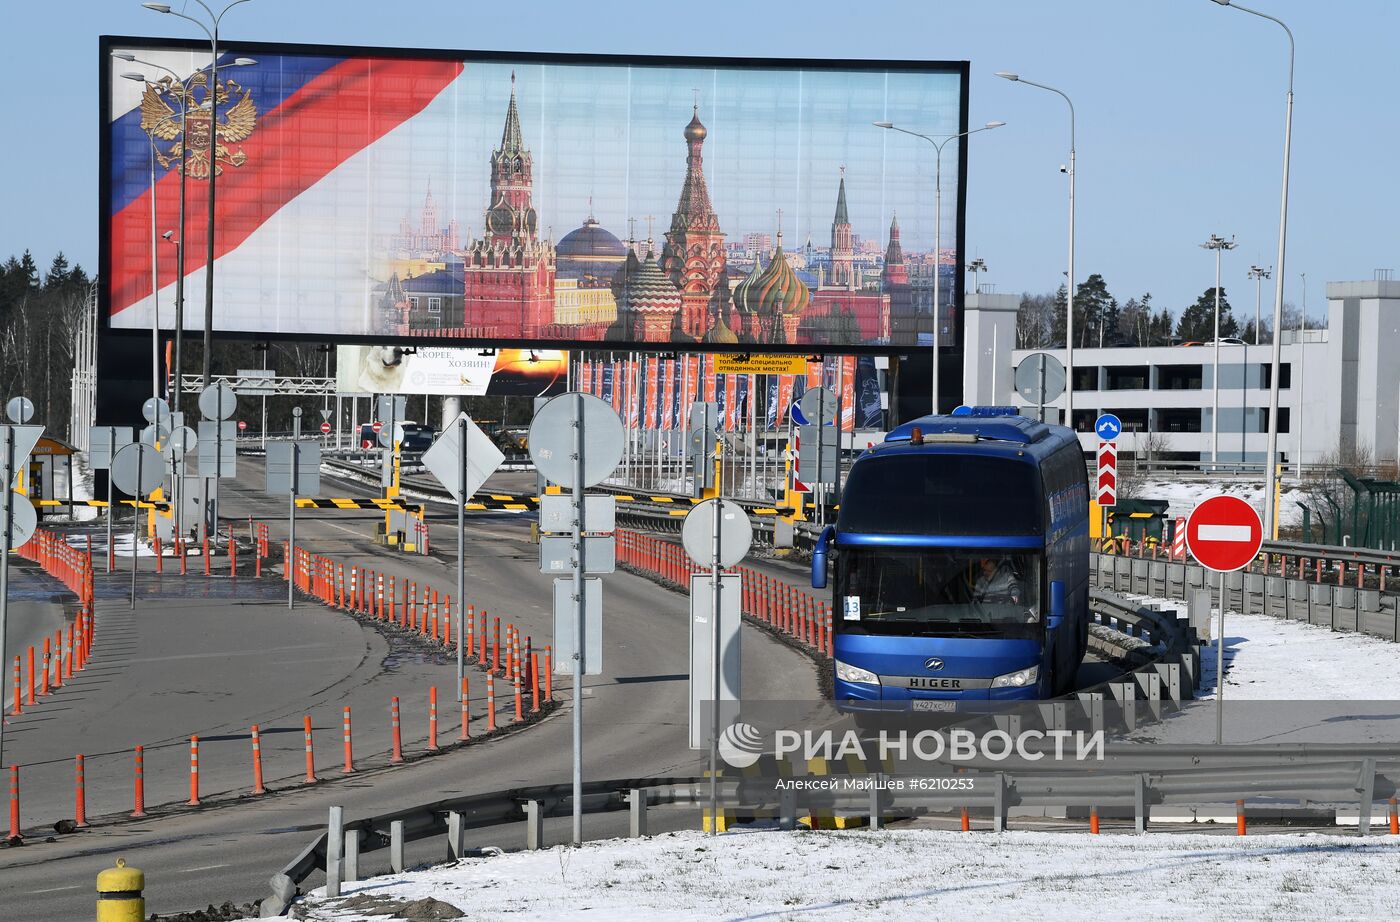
x: 528, y: 200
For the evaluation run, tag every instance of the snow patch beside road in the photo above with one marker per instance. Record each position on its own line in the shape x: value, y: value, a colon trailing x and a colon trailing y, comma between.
x: 908, y: 874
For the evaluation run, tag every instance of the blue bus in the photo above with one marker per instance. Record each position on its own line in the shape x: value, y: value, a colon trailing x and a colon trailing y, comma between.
x: 961, y: 564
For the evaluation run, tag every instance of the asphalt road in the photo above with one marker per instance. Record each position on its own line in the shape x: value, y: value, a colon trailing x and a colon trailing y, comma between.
x: 635, y: 713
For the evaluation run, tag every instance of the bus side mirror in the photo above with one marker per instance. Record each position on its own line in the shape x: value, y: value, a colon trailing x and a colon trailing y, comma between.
x: 1057, y: 605
x: 819, y: 558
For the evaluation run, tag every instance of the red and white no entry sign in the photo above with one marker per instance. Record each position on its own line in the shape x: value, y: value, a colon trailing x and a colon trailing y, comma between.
x: 1224, y: 533
x: 325, y: 428
x: 242, y: 424
x: 376, y: 426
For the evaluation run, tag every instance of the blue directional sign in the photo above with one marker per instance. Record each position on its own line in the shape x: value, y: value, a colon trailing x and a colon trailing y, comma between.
x: 1108, y: 427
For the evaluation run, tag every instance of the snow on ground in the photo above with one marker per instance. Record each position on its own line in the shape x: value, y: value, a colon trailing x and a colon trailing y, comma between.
x: 913, y: 874
x: 1183, y: 496
x: 1288, y: 681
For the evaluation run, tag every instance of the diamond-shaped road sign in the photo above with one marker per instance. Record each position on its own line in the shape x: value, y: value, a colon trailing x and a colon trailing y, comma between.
x: 443, y: 459
x: 1106, y: 483
x: 25, y: 438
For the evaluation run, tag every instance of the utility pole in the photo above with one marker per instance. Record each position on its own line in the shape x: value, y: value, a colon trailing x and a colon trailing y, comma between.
x: 1218, y: 244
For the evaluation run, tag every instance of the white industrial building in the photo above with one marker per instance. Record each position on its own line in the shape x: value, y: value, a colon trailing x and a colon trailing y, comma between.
x: 1349, y: 392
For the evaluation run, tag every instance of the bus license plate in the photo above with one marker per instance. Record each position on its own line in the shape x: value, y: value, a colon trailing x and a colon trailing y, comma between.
x: 923, y: 704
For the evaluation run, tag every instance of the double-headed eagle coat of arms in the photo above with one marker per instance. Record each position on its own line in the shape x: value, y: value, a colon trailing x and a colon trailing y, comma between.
x: 191, y: 143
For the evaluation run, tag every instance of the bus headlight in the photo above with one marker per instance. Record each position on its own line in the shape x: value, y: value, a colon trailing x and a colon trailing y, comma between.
x: 1019, y: 679
x: 848, y: 673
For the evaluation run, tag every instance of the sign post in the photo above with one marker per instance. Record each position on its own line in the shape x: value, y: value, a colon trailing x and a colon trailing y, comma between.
x: 716, y: 534
x: 104, y: 442
x: 137, y: 470
x: 450, y: 460
x: 293, y: 468
x: 1108, y: 427
x: 576, y: 441
x: 19, y: 521
x: 1224, y: 534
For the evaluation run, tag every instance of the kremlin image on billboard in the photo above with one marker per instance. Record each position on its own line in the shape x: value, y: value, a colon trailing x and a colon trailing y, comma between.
x: 571, y: 203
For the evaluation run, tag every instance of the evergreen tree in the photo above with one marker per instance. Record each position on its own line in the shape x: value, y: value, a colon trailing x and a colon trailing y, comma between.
x: 1159, y: 329
x: 1057, y: 319
x: 1197, y: 322
x: 28, y: 270
x: 1092, y: 304
x: 59, y: 273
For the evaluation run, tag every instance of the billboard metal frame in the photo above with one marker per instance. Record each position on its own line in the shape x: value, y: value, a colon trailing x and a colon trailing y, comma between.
x: 107, y: 43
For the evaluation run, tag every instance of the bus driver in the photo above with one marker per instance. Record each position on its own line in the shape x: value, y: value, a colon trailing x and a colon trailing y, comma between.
x: 996, y: 583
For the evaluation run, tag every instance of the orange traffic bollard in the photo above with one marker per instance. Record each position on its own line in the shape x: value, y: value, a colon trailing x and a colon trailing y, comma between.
x: 534, y: 683
x: 490, y: 702
x: 1394, y: 818
x: 432, y: 718
x: 310, y: 756
x: 1094, y: 820
x: 1239, y: 818
x: 138, y: 799
x: 548, y: 674
x: 14, y: 803
x: 349, y: 752
x: 194, y: 772
x: 496, y: 645
x: 79, y: 793
x: 19, y: 708
x: 519, y: 702
x: 396, y: 752
x: 257, y: 762
x: 44, y: 679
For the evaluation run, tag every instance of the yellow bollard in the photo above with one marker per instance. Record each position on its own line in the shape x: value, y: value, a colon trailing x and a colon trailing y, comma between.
x: 119, y: 896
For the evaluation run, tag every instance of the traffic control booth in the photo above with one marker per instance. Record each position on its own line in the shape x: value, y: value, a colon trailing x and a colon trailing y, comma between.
x: 49, y: 473
x: 1141, y: 520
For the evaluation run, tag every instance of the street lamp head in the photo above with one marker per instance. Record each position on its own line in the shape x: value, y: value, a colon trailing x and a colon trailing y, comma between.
x: 994, y: 124
x: 130, y: 75
x: 883, y: 124
x: 124, y: 56
x: 241, y: 62
x: 1007, y: 75
x: 158, y: 7
x: 1223, y: 2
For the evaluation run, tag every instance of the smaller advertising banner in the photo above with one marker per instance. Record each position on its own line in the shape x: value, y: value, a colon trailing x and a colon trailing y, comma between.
x: 449, y: 371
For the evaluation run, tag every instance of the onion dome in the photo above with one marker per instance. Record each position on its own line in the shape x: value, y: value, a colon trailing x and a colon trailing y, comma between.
x: 646, y: 289
x: 746, y: 285
x: 695, y: 131
x: 776, y: 291
x: 720, y: 334
x: 589, y: 252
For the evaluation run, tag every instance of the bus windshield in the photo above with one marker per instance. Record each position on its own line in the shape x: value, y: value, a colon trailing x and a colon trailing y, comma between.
x: 942, y: 493
x: 935, y: 592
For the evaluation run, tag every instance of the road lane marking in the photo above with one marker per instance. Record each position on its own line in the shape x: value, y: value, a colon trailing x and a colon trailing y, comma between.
x: 208, y: 867
x: 56, y: 889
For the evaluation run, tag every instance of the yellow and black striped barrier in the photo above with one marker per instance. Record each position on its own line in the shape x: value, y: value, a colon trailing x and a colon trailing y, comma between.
x: 98, y: 503
x: 350, y: 502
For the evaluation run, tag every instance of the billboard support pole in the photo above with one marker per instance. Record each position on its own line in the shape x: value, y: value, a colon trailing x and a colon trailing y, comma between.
x: 111, y: 450
x: 579, y: 614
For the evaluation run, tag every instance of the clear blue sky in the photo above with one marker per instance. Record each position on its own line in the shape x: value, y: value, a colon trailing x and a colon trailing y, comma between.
x: 1179, y: 103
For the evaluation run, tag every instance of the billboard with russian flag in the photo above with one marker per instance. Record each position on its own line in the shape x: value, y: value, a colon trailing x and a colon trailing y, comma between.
x: 466, y: 198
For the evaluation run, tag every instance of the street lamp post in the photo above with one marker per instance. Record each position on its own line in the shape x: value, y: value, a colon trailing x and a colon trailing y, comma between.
x: 937, y: 231
x: 1069, y: 287
x: 1218, y: 244
x: 1258, y: 273
x: 1270, y: 461
x: 976, y: 266
x: 213, y: 34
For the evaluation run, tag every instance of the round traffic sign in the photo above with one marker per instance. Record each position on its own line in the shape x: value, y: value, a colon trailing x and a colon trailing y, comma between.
x: 1224, y: 533
x: 242, y: 424
x: 155, y: 410
x: 181, y: 441
x: 819, y: 399
x: 325, y: 428
x: 137, y: 469
x: 217, y: 401
x: 1040, y: 378
x: 377, y: 426
x: 23, y: 521
x: 1108, y: 427
x: 698, y: 533
x: 19, y: 409
x: 552, y: 439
